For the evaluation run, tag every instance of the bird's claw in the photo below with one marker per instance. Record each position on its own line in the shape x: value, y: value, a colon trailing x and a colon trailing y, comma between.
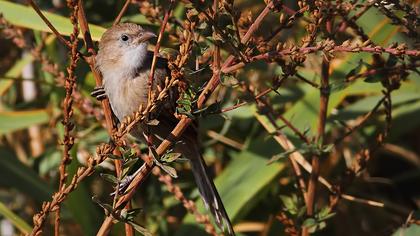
x: 99, y: 93
x: 123, y: 185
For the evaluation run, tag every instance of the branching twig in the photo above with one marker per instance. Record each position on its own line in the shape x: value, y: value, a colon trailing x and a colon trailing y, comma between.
x: 70, y: 84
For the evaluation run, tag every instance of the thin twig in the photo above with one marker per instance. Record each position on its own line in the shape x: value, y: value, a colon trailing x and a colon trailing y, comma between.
x: 52, y: 28
x: 84, y: 26
x: 48, y: 23
x: 323, y: 107
x: 123, y: 10
x: 215, y: 80
x: 263, y: 93
x: 156, y: 51
x: 361, y: 121
x: 70, y: 82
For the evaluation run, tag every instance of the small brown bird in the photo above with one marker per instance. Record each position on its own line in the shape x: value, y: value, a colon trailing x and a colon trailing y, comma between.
x: 124, y: 61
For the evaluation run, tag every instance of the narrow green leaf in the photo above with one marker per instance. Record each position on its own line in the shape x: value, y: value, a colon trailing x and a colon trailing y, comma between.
x: 374, y: 78
x: 246, y: 169
x: 14, y: 13
x: 170, y: 157
x: 281, y: 156
x: 131, y: 214
x: 356, y: 70
x: 169, y: 170
x: 310, y: 222
x: 109, y: 178
x: 139, y: 228
x: 16, y: 120
x: 288, y: 202
x: 412, y: 230
x: 15, y: 219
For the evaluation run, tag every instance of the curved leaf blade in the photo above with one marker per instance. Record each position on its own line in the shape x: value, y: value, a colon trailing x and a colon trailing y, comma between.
x: 13, y: 13
x: 16, y: 120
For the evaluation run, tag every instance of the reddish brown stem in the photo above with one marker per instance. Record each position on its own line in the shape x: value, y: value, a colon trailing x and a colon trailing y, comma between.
x: 105, y: 104
x: 123, y: 10
x: 324, y: 95
x: 307, y: 50
x: 262, y: 94
x: 69, y: 85
x: 98, y: 79
x: 48, y: 23
x: 156, y: 51
x: 215, y: 80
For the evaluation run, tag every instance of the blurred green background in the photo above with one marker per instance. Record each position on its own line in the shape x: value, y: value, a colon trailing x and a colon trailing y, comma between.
x: 253, y: 191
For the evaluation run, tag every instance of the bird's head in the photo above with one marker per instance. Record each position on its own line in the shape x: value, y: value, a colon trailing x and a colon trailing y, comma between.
x: 124, y: 47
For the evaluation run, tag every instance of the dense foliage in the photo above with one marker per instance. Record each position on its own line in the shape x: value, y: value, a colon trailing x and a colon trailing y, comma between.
x: 308, y: 114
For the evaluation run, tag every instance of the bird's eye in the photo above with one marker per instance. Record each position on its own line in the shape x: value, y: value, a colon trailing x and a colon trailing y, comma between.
x: 124, y: 38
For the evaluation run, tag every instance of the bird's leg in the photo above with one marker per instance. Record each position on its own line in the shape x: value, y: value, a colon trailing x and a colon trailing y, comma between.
x: 99, y: 93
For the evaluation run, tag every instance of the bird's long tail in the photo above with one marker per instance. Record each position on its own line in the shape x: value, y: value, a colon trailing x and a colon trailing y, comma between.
x: 209, y: 193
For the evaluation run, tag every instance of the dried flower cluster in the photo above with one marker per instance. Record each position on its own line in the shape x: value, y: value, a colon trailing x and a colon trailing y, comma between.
x: 216, y: 43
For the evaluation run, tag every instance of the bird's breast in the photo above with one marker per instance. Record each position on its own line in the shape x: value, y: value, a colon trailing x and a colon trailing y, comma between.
x: 126, y: 94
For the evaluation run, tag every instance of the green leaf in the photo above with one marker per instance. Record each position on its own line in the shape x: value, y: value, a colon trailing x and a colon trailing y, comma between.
x: 169, y: 170
x: 374, y: 78
x: 305, y: 111
x: 289, y: 204
x: 310, y: 222
x: 325, y: 213
x: 106, y: 207
x: 356, y: 70
x: 281, y: 156
x: 113, y: 157
x: 138, y: 19
x: 229, y: 80
x: 139, y: 228
x: 246, y: 169
x: 132, y: 213
x: 128, y: 166
x: 26, y: 17
x: 15, y: 219
x: 170, y: 157
x: 327, y: 148
x: 110, y: 178
x: 16, y: 120
x: 412, y: 230
x: 213, y: 108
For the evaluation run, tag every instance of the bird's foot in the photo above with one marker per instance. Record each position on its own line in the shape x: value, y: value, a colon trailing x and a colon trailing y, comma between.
x: 123, y: 185
x: 99, y: 93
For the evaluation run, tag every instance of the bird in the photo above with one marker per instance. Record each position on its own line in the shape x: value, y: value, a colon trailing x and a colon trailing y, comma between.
x: 125, y: 65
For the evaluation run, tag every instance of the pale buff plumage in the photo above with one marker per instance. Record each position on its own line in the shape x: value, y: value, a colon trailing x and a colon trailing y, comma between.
x: 125, y: 67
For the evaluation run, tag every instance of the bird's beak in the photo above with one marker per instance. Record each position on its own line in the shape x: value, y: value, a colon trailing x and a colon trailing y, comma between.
x: 146, y: 36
